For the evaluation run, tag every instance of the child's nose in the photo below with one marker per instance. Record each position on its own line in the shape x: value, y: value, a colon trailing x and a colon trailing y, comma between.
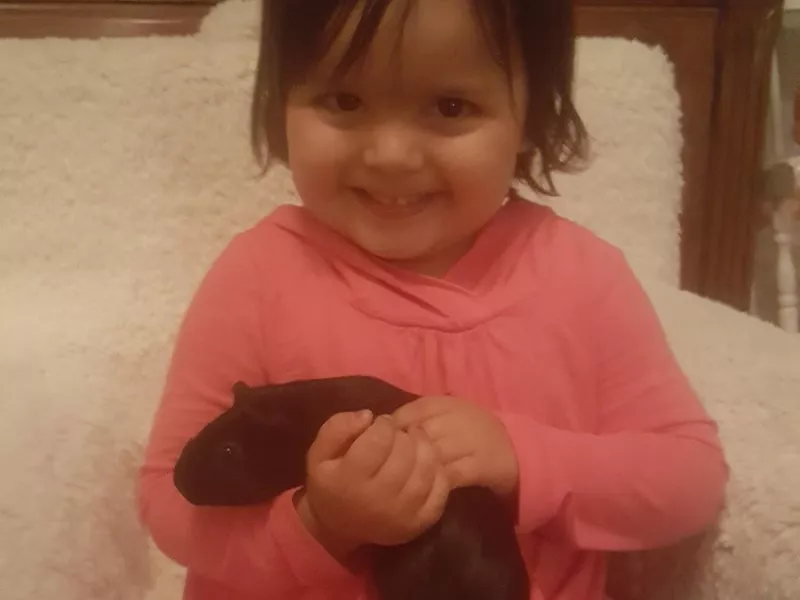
x: 393, y: 148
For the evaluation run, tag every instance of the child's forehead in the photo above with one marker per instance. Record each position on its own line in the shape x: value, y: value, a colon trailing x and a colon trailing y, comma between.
x: 419, y: 38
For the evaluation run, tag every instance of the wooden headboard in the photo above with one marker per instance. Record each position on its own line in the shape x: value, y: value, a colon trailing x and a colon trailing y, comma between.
x: 721, y: 50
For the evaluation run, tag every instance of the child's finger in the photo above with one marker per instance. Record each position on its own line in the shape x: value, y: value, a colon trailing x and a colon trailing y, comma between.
x: 452, y: 448
x: 337, y: 434
x: 439, y: 426
x: 419, y: 411
x: 394, y: 473
x: 463, y: 472
x: 370, y: 450
x: 427, y: 464
x: 436, y: 501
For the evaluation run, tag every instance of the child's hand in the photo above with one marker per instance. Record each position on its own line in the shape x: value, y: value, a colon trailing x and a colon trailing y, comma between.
x: 371, y: 483
x: 472, y: 442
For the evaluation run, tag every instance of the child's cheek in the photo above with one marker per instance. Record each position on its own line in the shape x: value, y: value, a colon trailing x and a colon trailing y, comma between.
x: 481, y: 164
x: 312, y: 141
x: 317, y: 152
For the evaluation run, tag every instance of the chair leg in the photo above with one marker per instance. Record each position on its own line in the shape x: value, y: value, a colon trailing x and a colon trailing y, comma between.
x: 796, y: 112
x: 776, y: 111
x: 786, y: 272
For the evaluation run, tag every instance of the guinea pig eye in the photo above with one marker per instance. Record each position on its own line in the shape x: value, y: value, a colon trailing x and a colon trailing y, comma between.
x: 232, y: 451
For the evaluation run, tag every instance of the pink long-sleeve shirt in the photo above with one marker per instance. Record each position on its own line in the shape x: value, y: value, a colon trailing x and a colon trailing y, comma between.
x: 540, y: 321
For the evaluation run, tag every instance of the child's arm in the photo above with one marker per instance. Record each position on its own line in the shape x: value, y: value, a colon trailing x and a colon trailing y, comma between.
x: 253, y: 549
x: 654, y: 472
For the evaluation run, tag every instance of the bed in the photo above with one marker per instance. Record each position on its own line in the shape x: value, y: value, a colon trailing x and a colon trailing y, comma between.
x: 721, y: 50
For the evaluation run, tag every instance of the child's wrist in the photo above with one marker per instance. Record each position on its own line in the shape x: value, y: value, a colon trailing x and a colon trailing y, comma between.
x: 334, y: 544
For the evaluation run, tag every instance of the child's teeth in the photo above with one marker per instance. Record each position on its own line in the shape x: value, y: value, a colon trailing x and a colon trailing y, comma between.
x: 399, y: 200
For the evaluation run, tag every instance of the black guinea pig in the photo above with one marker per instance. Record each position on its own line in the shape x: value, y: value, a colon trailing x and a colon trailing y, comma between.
x: 257, y: 449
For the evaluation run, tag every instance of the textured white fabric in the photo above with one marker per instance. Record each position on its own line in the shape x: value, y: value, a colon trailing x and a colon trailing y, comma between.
x: 124, y: 169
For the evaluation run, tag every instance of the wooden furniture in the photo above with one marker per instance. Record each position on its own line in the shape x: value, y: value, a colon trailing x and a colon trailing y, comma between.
x: 721, y: 50
x: 785, y: 216
x: 785, y: 223
x: 797, y: 115
x: 781, y: 198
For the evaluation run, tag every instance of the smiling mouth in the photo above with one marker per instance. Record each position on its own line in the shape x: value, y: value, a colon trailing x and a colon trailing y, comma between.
x: 393, y: 206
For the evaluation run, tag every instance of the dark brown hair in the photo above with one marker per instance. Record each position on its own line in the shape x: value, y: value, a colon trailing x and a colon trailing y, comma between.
x: 295, y: 34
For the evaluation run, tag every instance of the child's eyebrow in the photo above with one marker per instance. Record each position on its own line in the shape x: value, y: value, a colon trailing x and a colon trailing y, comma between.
x: 471, y: 85
x: 465, y: 88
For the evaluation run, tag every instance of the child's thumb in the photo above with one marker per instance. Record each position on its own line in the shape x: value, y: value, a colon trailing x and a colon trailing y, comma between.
x: 336, y: 435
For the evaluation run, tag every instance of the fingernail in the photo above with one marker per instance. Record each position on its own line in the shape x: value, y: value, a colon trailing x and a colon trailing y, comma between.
x: 364, y: 416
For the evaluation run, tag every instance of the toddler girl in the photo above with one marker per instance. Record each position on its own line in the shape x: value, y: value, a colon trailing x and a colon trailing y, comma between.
x: 545, y: 373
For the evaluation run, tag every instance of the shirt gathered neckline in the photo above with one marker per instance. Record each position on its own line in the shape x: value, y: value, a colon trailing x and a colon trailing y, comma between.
x: 481, y: 284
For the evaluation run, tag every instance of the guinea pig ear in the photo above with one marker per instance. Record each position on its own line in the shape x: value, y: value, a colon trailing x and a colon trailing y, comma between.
x: 240, y: 391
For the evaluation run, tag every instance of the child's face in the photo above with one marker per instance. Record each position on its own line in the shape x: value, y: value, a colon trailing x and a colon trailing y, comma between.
x: 415, y: 148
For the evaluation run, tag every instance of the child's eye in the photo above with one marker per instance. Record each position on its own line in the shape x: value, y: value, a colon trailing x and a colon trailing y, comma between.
x: 452, y: 108
x: 342, y: 102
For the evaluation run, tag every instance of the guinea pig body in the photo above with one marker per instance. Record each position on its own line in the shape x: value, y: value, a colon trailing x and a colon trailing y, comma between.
x: 256, y: 450
x: 470, y: 554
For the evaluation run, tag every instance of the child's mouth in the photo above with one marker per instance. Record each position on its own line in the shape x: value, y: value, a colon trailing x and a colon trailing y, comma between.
x: 387, y: 206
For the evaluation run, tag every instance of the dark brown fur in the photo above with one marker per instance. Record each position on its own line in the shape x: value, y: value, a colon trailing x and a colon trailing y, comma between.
x: 256, y: 450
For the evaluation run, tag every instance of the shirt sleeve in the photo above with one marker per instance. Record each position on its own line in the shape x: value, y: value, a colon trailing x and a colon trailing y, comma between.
x: 654, y: 471
x: 250, y: 549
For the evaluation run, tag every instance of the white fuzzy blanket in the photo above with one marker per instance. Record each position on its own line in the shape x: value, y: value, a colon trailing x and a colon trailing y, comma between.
x: 124, y: 168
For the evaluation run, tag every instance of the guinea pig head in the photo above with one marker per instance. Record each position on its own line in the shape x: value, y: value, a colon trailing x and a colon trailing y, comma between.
x: 248, y: 455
